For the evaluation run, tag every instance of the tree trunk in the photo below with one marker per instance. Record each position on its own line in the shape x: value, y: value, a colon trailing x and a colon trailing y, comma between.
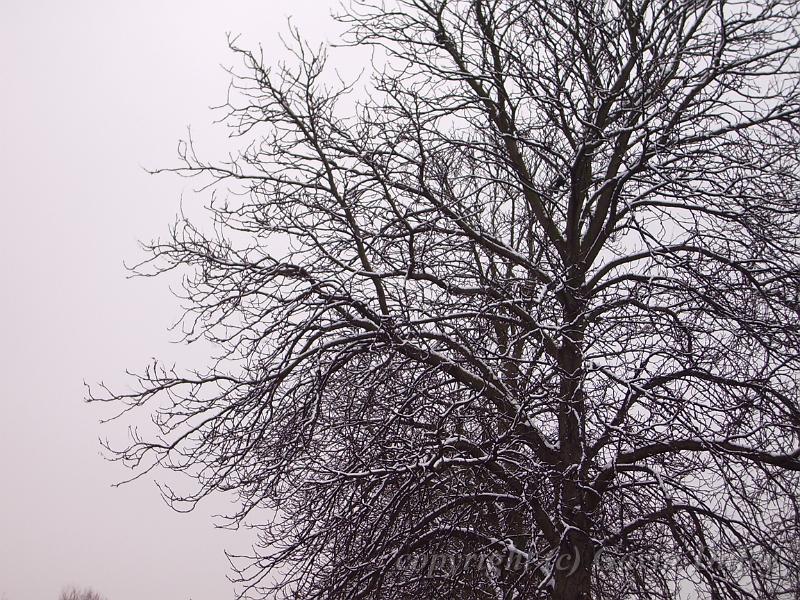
x: 573, y: 575
x: 573, y: 568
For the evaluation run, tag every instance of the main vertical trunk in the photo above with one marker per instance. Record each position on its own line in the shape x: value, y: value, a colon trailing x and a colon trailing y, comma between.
x: 573, y: 575
x: 573, y: 567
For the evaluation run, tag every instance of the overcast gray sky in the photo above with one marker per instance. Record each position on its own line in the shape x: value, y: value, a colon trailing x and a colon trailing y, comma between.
x: 91, y: 90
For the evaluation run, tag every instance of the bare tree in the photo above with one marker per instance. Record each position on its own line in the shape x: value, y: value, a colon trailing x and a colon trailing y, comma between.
x: 74, y: 593
x: 535, y: 298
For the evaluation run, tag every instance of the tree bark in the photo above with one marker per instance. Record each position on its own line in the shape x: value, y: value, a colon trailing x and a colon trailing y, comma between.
x: 573, y: 568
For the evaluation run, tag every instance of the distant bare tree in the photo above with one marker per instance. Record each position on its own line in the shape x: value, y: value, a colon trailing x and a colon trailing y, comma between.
x: 74, y: 593
x: 536, y: 296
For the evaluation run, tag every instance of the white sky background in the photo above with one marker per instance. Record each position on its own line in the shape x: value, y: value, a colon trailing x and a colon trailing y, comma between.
x: 91, y: 90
